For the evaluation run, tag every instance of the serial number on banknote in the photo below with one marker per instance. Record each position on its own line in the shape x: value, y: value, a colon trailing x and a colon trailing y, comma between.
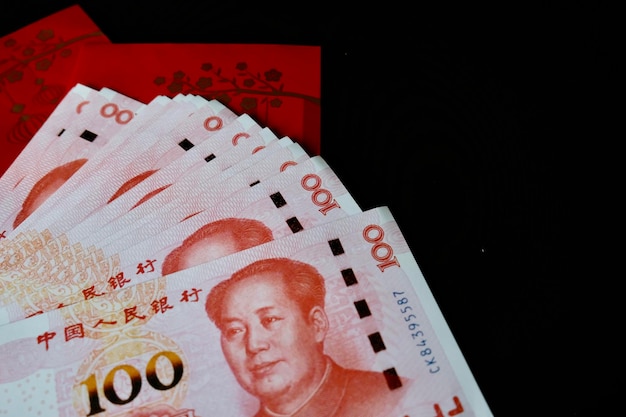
x: 417, y: 335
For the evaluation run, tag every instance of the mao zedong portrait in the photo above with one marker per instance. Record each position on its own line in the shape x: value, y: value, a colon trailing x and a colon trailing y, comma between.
x: 272, y: 326
x: 214, y: 240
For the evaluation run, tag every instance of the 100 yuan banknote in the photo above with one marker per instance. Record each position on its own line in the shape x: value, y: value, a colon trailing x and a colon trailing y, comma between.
x: 130, y: 157
x: 115, y: 169
x: 337, y: 320
x: 84, y: 122
x: 81, y: 205
x: 89, y: 234
x: 90, y: 228
x: 213, y: 179
x: 61, y: 181
x: 158, y: 209
x: 65, y: 271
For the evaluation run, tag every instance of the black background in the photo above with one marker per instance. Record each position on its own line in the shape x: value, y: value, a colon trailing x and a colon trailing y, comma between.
x: 478, y: 128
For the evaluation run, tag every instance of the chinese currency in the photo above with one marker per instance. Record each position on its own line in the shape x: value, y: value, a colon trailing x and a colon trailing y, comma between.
x: 182, y: 345
x: 195, y: 264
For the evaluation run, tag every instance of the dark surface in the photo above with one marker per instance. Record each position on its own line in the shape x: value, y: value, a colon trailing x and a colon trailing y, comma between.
x: 478, y: 132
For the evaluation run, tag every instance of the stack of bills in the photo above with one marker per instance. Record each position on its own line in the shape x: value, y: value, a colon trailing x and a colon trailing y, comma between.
x: 174, y: 258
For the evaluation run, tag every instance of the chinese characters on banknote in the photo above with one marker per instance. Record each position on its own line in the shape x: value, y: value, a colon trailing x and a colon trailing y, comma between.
x: 174, y: 258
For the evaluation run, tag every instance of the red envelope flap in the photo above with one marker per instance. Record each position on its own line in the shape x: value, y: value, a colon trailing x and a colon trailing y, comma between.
x: 36, y: 63
x: 278, y: 85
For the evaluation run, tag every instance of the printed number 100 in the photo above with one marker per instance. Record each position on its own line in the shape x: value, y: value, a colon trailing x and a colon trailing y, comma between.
x: 135, y: 378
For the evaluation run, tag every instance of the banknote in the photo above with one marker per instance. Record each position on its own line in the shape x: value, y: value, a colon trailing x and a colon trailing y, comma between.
x: 55, y: 193
x: 50, y: 189
x: 93, y: 230
x: 301, y: 197
x: 117, y: 145
x: 243, y: 133
x: 46, y: 189
x: 64, y: 271
x: 83, y: 123
x: 158, y: 207
x: 336, y: 320
x: 113, y: 171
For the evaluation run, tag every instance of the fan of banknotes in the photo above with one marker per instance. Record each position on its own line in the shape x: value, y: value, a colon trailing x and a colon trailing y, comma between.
x: 173, y: 258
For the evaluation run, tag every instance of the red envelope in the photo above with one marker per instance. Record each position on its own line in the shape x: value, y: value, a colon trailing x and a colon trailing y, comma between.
x: 36, y: 63
x: 278, y: 85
